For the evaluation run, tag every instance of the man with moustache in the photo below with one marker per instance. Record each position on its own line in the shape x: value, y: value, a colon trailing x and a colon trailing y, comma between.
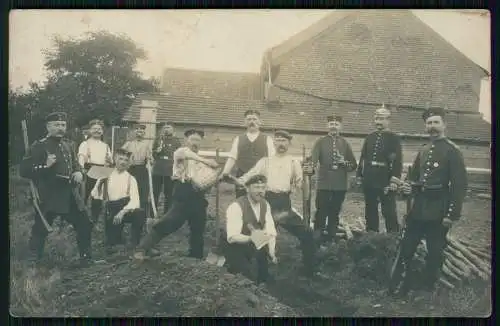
x: 53, y: 167
x: 438, y: 183
x: 380, y: 161
x: 247, y: 213
x: 163, y: 152
x: 141, y: 154
x: 188, y: 203
x: 283, y: 173
x: 335, y: 158
x: 94, y: 152
x: 247, y: 149
x: 119, y: 195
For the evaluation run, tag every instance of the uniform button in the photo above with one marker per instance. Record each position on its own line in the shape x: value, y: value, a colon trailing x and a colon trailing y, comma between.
x: 425, y: 174
x: 428, y: 163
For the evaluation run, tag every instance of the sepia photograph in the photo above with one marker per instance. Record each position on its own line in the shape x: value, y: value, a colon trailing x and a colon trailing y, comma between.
x: 250, y: 163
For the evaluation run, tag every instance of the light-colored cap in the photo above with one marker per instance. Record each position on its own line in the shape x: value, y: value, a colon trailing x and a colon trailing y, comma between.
x: 382, y: 111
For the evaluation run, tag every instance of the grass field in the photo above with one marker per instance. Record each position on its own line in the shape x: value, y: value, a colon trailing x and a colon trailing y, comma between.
x: 173, y: 285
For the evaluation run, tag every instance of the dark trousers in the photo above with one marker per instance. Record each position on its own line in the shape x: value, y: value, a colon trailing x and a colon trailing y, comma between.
x: 280, y: 202
x: 434, y: 234
x: 113, y: 234
x: 239, y: 191
x: 388, y: 202
x: 328, y: 204
x: 140, y: 173
x: 187, y: 205
x: 167, y: 184
x: 81, y: 225
x: 240, y: 259
x: 95, y: 205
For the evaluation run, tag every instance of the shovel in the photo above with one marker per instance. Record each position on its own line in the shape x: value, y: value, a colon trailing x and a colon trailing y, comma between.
x: 212, y: 257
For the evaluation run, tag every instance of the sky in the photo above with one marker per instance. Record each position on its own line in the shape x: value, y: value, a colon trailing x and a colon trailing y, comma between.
x: 229, y: 40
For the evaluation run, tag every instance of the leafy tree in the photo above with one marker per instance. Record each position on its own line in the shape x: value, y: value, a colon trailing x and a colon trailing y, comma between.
x: 91, y: 77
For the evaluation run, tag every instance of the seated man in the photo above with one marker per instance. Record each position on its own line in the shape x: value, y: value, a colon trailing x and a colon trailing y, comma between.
x: 119, y: 196
x: 245, y: 214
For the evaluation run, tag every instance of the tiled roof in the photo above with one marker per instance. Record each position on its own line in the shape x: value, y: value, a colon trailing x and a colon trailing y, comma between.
x: 299, y: 117
x: 378, y: 56
x: 201, y: 83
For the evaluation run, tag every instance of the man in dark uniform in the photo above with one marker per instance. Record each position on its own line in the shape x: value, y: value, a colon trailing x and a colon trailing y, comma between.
x: 336, y: 160
x: 53, y: 167
x: 141, y: 154
x: 439, y: 185
x: 380, y: 160
x: 163, y: 153
x: 248, y: 149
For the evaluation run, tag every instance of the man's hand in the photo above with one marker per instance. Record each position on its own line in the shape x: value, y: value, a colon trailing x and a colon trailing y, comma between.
x: 393, y: 186
x: 447, y: 223
x: 51, y: 160
x: 211, y: 163
x: 406, y: 188
x: 274, y: 259
x: 77, y: 177
x: 118, y: 218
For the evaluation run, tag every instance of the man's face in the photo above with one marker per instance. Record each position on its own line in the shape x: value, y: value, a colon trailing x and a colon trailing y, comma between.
x: 193, y: 142
x: 96, y: 131
x: 140, y: 133
x: 281, y: 144
x: 167, y: 130
x: 435, y: 126
x: 252, y: 121
x: 56, y: 128
x: 381, y: 122
x: 334, y: 126
x: 122, y: 162
x: 257, y: 191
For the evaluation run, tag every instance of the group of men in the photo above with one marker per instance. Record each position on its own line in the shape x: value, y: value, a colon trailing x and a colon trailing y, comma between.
x: 265, y: 175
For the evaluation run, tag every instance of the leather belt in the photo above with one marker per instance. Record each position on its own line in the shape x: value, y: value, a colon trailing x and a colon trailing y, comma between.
x: 375, y: 163
x: 164, y: 157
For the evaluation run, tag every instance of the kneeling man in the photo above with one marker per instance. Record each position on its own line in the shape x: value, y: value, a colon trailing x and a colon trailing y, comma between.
x: 246, y: 215
x: 119, y: 195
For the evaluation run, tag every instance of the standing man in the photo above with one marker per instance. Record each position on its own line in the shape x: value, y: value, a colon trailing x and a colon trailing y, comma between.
x: 53, y: 167
x: 119, y: 195
x: 94, y: 152
x: 189, y: 204
x: 141, y: 153
x: 283, y: 173
x: 439, y: 179
x: 163, y: 152
x: 380, y: 160
x: 335, y: 158
x: 247, y: 149
x: 247, y: 213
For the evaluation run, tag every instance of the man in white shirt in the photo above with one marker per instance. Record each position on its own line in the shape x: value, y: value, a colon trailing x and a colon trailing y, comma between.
x: 283, y: 173
x: 245, y: 214
x: 247, y: 149
x: 94, y: 152
x: 119, y: 197
x: 188, y: 203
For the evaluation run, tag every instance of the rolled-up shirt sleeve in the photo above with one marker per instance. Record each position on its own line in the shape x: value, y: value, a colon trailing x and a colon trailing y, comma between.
x: 234, y: 221
x: 82, y: 153
x: 134, y: 202
x: 270, y: 228
x: 258, y: 168
x: 233, y: 153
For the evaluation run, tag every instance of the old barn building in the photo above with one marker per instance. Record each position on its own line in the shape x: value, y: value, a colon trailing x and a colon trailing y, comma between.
x: 348, y: 63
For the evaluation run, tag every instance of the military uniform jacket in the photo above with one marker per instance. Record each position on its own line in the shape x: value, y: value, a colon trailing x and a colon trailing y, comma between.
x: 441, y: 177
x: 332, y: 176
x: 53, y: 183
x: 381, y: 159
x: 164, y: 160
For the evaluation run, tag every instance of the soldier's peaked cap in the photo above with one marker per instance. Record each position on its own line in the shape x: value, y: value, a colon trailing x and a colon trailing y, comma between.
x: 283, y: 134
x: 250, y: 112
x: 433, y: 112
x: 334, y: 118
x: 140, y: 126
x: 382, y: 111
x: 56, y: 116
x: 94, y: 122
x: 259, y: 178
x: 121, y: 151
x: 190, y: 132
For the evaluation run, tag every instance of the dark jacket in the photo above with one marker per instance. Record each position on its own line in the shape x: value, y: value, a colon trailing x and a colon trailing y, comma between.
x: 164, y: 160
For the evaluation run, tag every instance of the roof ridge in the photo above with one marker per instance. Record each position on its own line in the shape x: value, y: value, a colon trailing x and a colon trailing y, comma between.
x: 210, y: 71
